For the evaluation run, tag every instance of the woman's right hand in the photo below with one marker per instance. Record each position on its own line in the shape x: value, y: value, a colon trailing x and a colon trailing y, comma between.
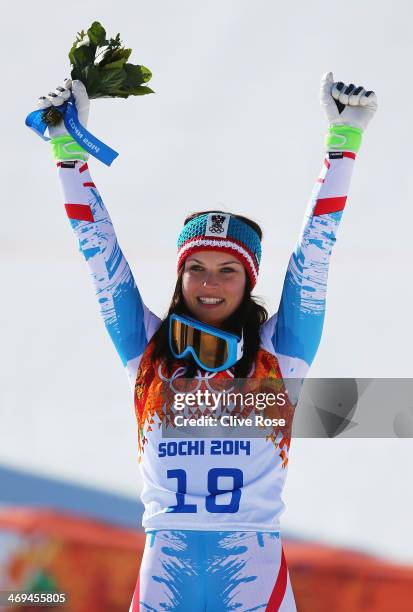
x: 59, y: 96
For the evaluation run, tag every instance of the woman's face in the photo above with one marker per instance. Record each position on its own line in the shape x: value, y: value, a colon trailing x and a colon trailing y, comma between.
x: 213, y: 285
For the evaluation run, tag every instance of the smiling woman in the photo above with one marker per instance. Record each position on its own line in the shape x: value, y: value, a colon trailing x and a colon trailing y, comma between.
x: 214, y: 286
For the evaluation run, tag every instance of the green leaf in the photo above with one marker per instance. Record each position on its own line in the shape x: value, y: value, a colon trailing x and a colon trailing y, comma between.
x: 146, y: 73
x: 114, y: 55
x: 114, y: 65
x: 83, y: 55
x: 76, y: 73
x: 91, y: 79
x: 111, y: 79
x: 140, y: 91
x: 125, y: 53
x: 136, y: 91
x: 96, y: 33
x: 134, y: 78
x: 71, y: 56
x: 136, y: 75
x: 118, y: 63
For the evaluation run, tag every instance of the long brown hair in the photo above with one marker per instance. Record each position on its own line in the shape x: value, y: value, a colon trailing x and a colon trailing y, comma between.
x: 248, y: 317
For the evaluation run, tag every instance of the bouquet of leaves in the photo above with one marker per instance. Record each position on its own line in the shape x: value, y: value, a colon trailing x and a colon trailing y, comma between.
x: 102, y: 66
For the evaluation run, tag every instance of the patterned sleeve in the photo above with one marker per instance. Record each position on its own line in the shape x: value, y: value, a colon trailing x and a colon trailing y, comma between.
x: 129, y: 322
x: 294, y: 333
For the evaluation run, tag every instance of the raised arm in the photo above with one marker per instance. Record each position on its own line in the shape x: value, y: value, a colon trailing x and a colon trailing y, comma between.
x: 129, y: 322
x: 295, y: 331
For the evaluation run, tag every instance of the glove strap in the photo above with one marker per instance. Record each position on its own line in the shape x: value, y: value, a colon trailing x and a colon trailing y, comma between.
x: 66, y: 148
x: 343, y: 138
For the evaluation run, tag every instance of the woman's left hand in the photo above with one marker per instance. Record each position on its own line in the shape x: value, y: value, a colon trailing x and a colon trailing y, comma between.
x: 347, y: 104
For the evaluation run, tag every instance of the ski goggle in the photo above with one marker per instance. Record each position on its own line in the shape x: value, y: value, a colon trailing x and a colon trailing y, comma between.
x: 213, y: 349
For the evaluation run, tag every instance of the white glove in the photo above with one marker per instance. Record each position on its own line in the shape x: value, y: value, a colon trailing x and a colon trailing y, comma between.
x: 347, y: 104
x: 59, y: 96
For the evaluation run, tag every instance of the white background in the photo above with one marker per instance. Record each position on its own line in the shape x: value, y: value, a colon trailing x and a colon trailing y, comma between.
x: 235, y: 122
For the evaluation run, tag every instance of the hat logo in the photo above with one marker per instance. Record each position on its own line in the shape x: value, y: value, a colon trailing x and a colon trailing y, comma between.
x: 217, y: 225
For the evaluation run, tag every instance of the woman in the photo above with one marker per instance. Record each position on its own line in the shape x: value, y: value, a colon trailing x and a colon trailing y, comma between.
x: 212, y: 506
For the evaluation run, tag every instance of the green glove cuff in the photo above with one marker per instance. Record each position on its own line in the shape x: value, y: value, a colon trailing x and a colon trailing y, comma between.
x: 66, y: 148
x: 343, y: 138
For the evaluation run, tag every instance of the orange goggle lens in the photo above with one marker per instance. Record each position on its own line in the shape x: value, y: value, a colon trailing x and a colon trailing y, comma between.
x: 210, y: 350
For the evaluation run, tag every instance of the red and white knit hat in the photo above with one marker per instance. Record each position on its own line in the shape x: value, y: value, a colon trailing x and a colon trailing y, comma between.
x: 224, y: 232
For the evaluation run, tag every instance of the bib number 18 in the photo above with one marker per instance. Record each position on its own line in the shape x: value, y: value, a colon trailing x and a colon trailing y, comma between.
x: 211, y: 504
